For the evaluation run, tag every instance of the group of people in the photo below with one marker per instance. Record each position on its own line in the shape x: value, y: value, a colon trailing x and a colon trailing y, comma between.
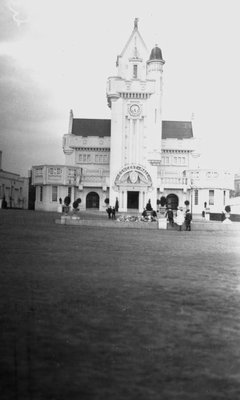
x: 113, y: 210
x: 180, y: 219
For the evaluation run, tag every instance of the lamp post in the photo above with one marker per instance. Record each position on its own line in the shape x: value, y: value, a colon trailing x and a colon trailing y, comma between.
x: 192, y: 186
x: 191, y: 199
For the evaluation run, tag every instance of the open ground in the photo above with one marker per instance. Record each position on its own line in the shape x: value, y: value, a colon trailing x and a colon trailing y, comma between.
x: 104, y: 313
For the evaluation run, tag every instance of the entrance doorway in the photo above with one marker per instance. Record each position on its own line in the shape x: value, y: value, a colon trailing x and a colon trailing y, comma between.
x: 172, y: 201
x: 92, y: 200
x: 133, y: 200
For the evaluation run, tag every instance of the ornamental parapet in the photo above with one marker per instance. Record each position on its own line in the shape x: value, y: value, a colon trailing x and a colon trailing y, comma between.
x: 93, y: 181
x: 56, y: 175
x: 173, y: 182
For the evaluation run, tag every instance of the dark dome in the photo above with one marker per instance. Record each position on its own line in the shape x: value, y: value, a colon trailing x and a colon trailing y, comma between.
x: 156, y: 53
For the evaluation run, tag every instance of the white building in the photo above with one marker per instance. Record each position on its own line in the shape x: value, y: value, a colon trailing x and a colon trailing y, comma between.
x: 13, y: 189
x: 134, y: 156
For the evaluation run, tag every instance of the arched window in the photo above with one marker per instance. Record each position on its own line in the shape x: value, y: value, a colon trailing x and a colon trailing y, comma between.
x: 172, y: 201
x: 92, y: 200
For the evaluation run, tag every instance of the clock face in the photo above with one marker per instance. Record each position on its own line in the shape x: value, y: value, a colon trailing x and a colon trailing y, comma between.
x: 134, y: 110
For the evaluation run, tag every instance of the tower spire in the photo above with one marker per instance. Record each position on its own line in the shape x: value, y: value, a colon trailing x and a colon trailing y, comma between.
x: 136, y: 23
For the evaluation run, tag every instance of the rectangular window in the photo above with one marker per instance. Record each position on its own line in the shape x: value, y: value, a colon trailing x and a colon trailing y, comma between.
x: 175, y: 160
x: 196, y: 197
x: 40, y: 193
x: 69, y: 191
x: 84, y: 158
x: 54, y: 193
x: 224, y: 197
x: 135, y: 71
x: 211, y: 197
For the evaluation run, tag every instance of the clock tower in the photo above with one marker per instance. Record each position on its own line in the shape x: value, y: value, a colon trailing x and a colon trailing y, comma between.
x: 134, y: 96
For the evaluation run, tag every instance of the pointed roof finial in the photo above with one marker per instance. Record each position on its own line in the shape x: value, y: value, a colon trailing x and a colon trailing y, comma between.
x: 136, y: 23
x: 70, y: 122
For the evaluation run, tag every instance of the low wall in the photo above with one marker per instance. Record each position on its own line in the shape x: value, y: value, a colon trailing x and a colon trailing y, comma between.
x: 196, y: 226
x: 218, y: 217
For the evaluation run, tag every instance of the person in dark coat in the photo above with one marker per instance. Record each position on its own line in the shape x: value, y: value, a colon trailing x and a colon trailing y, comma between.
x: 188, y: 219
x: 169, y: 215
x: 109, y: 211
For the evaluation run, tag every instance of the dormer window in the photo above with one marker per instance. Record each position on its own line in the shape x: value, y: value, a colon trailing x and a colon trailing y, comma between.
x: 135, y: 71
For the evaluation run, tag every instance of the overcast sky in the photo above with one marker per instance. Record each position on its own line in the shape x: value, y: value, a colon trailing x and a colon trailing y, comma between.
x: 56, y: 55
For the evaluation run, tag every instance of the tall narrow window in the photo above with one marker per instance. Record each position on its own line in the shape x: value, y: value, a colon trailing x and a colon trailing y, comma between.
x: 69, y: 191
x: 40, y: 193
x: 54, y: 193
x: 135, y: 71
x: 224, y: 197
x: 196, y: 197
x: 211, y: 197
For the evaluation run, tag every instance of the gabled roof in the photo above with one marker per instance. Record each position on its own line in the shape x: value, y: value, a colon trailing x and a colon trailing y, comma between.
x: 102, y: 127
x: 134, y: 32
x: 91, y: 127
x: 177, y: 130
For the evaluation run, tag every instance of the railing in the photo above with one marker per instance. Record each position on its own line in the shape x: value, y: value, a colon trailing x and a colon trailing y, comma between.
x: 174, y: 180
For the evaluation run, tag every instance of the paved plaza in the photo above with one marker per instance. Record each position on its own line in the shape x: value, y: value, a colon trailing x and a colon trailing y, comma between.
x: 99, y: 313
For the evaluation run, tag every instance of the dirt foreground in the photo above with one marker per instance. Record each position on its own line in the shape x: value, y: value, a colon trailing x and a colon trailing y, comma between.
x: 107, y: 314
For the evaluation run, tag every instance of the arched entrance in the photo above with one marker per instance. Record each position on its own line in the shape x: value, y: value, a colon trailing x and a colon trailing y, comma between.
x: 92, y: 200
x: 172, y: 201
x: 132, y: 183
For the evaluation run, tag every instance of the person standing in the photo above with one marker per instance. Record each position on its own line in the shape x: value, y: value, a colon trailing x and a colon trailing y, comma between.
x: 180, y: 218
x: 109, y: 211
x: 169, y: 215
x: 188, y: 220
